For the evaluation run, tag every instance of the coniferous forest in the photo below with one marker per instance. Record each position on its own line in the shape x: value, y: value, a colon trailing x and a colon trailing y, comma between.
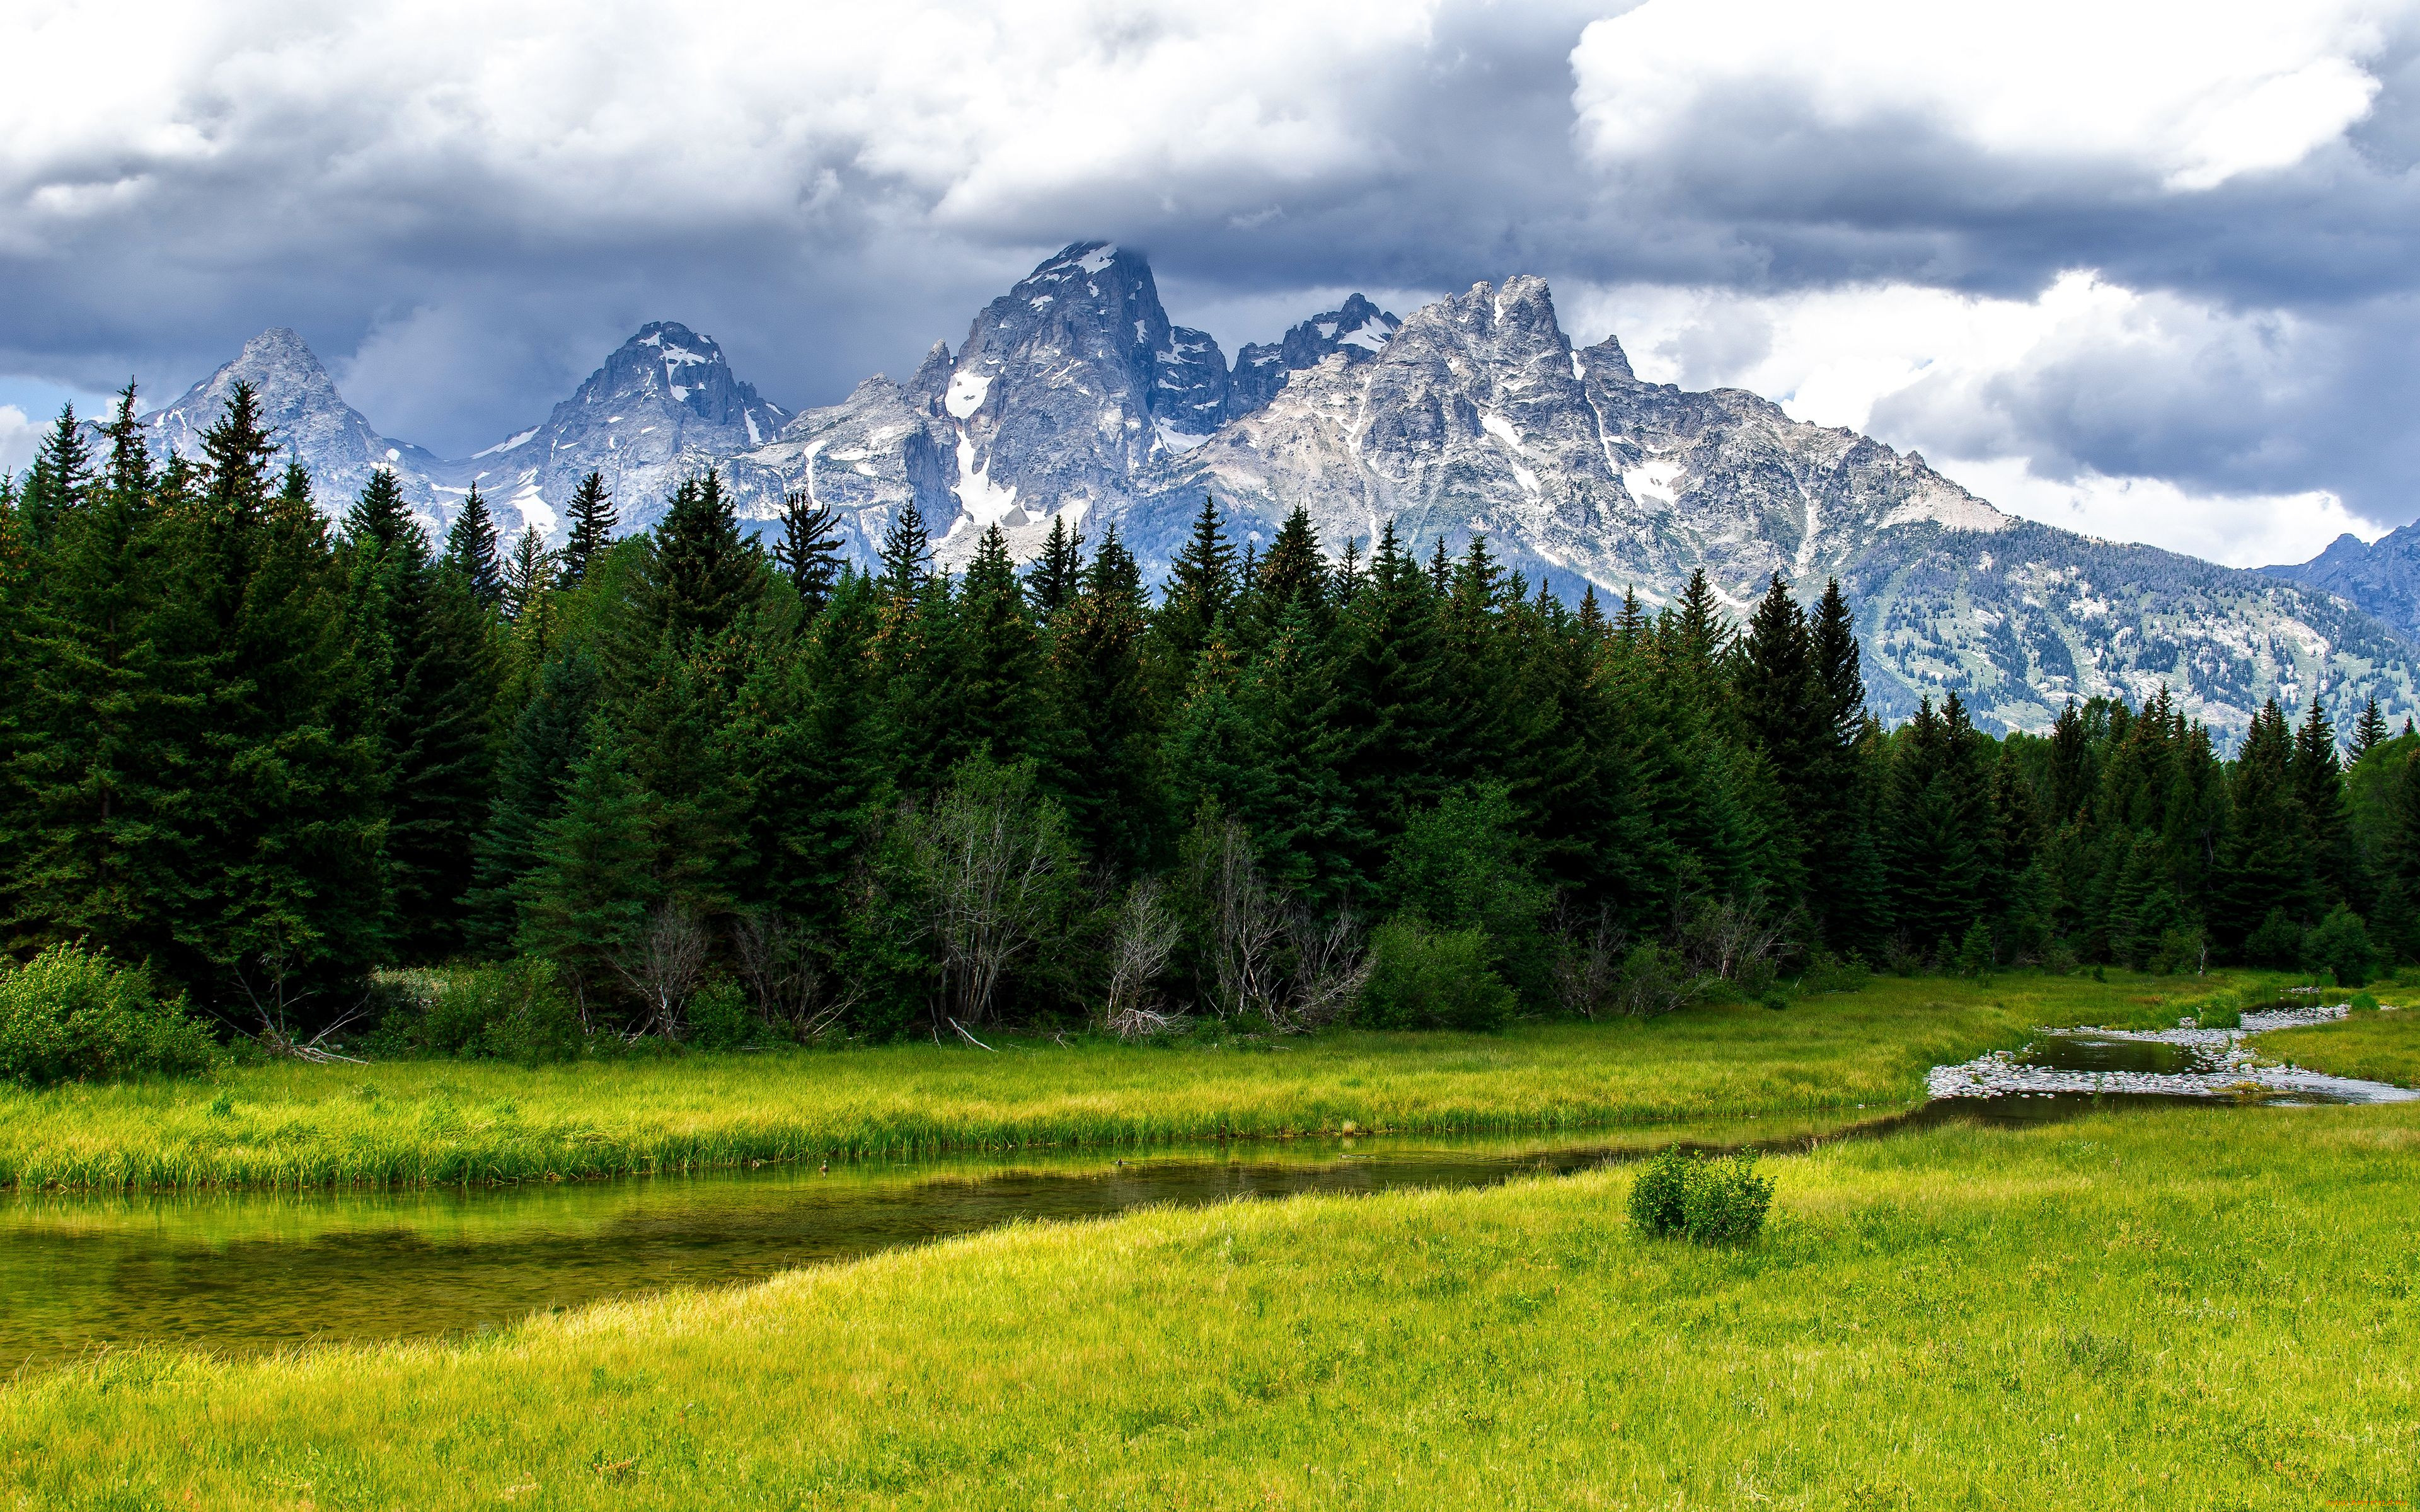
x: 266, y: 756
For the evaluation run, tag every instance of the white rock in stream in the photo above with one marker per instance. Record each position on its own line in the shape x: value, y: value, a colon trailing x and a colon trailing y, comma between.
x: 2239, y: 1071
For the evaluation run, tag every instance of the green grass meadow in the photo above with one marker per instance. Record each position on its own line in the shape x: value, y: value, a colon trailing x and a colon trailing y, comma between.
x: 2189, y: 1306
x: 2380, y: 1046
x: 288, y: 1124
x: 2172, y: 1308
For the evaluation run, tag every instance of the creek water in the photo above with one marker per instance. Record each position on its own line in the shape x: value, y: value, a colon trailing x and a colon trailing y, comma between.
x: 244, y: 1271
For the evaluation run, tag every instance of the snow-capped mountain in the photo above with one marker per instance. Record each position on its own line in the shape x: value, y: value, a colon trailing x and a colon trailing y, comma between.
x: 312, y: 423
x: 1075, y: 396
x: 1357, y: 329
x: 664, y: 406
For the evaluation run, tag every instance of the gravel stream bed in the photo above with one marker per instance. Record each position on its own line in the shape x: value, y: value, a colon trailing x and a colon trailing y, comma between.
x: 2226, y: 1065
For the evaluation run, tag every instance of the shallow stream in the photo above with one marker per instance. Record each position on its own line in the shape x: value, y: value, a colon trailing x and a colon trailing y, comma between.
x: 247, y: 1271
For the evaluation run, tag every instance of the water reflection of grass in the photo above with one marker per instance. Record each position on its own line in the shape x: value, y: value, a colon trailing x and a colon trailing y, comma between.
x: 2192, y: 1307
x: 448, y: 1122
x: 2371, y: 1046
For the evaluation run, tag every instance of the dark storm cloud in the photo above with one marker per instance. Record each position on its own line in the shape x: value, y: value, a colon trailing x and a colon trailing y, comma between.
x: 464, y: 208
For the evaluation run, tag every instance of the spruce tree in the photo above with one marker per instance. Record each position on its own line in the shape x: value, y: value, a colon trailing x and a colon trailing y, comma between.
x: 2370, y: 731
x: 1201, y: 587
x: 586, y: 901
x: 593, y: 523
x: 703, y: 578
x: 907, y: 554
x: 56, y: 482
x: 547, y: 741
x: 2263, y: 863
x: 992, y: 687
x: 2327, y: 825
x: 809, y: 551
x: 473, y: 550
x: 1102, y: 728
x: 526, y: 576
x: 1057, y: 575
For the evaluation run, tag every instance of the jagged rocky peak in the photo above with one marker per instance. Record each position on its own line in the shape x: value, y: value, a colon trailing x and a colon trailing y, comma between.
x: 664, y: 406
x: 311, y: 423
x: 1357, y: 328
x: 1066, y: 387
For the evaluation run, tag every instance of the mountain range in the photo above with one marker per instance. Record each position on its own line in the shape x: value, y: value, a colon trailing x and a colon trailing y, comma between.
x: 1074, y: 395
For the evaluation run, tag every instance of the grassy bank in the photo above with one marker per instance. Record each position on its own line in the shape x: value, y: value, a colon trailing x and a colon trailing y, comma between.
x: 2191, y: 1307
x: 2374, y: 1046
x: 290, y: 1124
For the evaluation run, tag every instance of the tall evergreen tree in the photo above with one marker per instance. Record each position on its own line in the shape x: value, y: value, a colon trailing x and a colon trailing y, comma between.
x: 1058, y: 573
x: 472, y: 549
x: 547, y: 741
x: 2327, y: 826
x: 592, y: 524
x: 587, y: 900
x: 993, y: 689
x: 526, y: 575
x: 1200, y: 588
x: 809, y: 551
x: 56, y: 482
x: 2370, y: 731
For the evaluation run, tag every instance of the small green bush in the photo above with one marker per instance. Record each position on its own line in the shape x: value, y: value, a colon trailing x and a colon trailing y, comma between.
x: 718, y: 1018
x: 71, y: 1014
x: 2363, y: 1003
x: 1710, y: 1201
x: 1727, y: 1201
x: 1422, y: 979
x: 1829, y: 973
x: 1659, y: 1195
x: 2340, y: 944
x: 2277, y: 943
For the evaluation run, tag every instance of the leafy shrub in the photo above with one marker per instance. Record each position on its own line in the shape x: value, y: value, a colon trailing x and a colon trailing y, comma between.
x: 718, y: 1018
x: 1727, y: 1201
x: 1777, y: 1000
x: 71, y: 1014
x: 2363, y: 1003
x: 2277, y: 943
x: 1422, y: 979
x: 514, y: 1011
x: 1829, y: 973
x: 2340, y: 944
x: 1710, y: 1201
x: 1659, y: 1195
x: 1654, y: 980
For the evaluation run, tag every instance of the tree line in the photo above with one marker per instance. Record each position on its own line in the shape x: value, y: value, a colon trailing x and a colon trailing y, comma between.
x: 265, y: 755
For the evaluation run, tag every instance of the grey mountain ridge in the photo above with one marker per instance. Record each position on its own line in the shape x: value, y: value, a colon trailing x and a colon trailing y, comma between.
x: 2381, y: 577
x: 1075, y: 396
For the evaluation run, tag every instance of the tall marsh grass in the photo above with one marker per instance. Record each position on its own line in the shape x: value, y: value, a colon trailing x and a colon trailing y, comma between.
x: 286, y: 1124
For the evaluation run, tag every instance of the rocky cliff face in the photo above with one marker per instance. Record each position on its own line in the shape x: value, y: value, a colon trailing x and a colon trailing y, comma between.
x: 313, y: 425
x: 2381, y: 577
x: 1357, y: 329
x: 664, y: 406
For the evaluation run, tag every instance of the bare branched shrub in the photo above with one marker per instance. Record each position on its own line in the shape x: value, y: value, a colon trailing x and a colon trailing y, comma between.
x: 661, y: 967
x: 1245, y: 928
x: 1588, y: 962
x: 1733, y: 940
x: 995, y: 862
x: 1330, y: 967
x: 1651, y: 981
x: 1140, y: 943
x: 781, y: 976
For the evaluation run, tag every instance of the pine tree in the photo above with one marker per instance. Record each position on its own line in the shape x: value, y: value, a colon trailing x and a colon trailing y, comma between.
x: 907, y: 554
x: 2327, y: 825
x: 2263, y: 862
x: 1058, y: 573
x: 473, y: 550
x: 592, y: 524
x: 380, y: 518
x: 1200, y: 588
x: 547, y: 741
x: 587, y: 898
x: 1102, y: 727
x: 2370, y: 731
x: 993, y: 684
x: 526, y: 575
x: 61, y: 474
x: 809, y: 550
x: 703, y: 578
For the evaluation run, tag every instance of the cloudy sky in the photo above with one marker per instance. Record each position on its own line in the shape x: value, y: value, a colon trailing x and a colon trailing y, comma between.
x: 2141, y: 268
